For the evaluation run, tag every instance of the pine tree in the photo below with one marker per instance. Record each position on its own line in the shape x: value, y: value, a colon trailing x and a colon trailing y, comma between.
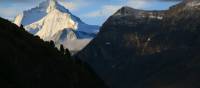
x: 62, y: 50
x: 52, y: 44
x: 67, y: 53
x: 22, y: 27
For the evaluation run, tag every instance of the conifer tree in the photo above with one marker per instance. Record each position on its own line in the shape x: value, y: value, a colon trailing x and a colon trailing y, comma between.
x: 67, y: 53
x: 52, y: 44
x: 62, y: 50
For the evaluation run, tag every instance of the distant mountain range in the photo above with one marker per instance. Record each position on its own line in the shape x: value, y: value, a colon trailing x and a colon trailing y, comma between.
x: 52, y: 21
x: 148, y: 49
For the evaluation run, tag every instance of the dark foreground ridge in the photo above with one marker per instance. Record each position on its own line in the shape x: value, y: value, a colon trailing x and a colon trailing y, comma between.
x: 148, y: 49
x: 28, y: 62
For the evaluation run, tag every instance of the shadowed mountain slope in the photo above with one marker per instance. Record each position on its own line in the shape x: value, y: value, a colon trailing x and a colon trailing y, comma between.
x: 148, y: 49
x: 29, y: 62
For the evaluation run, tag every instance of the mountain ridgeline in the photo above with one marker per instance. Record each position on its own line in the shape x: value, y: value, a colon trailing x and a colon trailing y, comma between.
x: 26, y: 61
x: 148, y: 49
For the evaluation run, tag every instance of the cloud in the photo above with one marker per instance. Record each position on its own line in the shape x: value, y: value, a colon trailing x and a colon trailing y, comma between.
x: 75, y: 5
x: 104, y: 11
x: 8, y: 12
x: 24, y: 1
x: 108, y: 10
x: 10, y: 8
x: 70, y: 5
x: 18, y: 1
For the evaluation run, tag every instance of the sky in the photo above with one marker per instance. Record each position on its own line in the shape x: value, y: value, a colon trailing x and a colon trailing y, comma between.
x: 93, y: 12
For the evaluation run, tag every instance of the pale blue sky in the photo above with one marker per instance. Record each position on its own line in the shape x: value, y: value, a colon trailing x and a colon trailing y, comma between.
x: 90, y: 11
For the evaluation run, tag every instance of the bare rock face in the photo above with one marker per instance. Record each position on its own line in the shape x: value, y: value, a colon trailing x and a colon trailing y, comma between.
x: 148, y: 49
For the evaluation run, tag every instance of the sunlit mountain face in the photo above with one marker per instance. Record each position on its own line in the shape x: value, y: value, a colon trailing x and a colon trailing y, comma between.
x: 53, y: 22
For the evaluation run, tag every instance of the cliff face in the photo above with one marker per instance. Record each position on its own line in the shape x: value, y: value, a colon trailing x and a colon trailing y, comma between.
x: 148, y: 49
x: 29, y: 62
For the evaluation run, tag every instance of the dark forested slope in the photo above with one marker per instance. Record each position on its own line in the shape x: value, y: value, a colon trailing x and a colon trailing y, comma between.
x: 28, y: 62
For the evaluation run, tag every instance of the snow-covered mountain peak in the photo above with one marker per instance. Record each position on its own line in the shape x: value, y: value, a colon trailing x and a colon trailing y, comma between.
x: 52, y: 21
x: 52, y: 2
x: 50, y: 5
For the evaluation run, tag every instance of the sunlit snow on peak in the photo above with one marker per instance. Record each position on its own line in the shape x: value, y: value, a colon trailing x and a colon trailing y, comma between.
x: 50, y: 20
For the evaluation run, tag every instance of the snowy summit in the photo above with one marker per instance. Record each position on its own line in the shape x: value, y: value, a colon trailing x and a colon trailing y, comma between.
x: 52, y: 21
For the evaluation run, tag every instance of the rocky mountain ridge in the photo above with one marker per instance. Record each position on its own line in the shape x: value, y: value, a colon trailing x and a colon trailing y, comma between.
x: 135, y: 50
